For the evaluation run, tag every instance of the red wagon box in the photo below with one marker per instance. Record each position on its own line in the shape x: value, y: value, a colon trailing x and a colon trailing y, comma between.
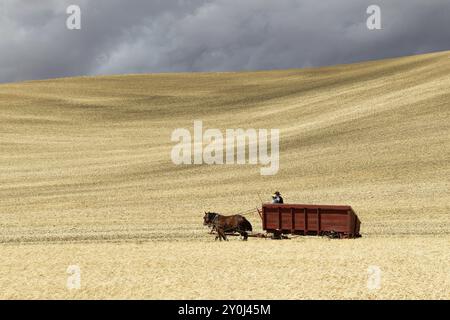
x: 306, y: 219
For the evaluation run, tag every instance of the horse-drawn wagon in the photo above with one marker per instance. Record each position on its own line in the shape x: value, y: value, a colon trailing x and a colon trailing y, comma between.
x: 296, y: 219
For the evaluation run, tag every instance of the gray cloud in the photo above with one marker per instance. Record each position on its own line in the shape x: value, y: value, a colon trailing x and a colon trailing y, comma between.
x: 217, y: 35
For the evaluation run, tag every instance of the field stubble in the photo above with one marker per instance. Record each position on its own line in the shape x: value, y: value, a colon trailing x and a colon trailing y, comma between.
x: 87, y: 179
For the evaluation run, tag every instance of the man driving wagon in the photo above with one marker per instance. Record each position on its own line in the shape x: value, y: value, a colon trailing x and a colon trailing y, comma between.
x: 277, y: 198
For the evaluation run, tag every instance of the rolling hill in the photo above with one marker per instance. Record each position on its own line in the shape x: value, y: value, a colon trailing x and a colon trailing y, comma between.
x: 86, y: 176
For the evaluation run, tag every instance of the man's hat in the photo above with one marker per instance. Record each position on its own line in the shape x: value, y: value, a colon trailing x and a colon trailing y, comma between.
x: 277, y: 193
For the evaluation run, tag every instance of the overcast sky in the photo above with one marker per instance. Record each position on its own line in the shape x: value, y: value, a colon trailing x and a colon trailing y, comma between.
x: 143, y: 36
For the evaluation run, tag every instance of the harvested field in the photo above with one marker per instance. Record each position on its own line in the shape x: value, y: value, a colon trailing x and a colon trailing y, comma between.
x: 87, y: 179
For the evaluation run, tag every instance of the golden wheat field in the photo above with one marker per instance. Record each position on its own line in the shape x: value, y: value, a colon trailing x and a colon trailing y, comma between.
x: 86, y: 179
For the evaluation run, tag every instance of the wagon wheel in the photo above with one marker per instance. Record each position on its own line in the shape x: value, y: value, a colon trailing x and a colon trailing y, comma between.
x: 277, y: 235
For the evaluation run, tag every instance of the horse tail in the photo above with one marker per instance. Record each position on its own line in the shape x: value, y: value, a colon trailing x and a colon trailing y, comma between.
x: 246, y: 225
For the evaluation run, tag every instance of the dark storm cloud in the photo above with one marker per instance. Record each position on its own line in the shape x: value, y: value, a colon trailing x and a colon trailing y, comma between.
x: 209, y: 35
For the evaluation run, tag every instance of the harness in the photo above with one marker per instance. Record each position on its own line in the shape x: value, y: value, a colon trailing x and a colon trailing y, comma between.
x: 216, y: 217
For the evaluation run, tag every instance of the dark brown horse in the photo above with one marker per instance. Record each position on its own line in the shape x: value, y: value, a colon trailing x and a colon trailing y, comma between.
x: 234, y: 223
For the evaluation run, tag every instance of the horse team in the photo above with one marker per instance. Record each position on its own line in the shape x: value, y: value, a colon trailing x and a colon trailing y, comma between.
x: 223, y: 224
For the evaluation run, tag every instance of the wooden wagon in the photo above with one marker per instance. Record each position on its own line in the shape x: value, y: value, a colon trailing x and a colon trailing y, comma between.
x: 303, y: 219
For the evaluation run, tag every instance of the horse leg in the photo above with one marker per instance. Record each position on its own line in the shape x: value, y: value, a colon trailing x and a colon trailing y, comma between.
x: 223, y: 235
x: 218, y: 236
x: 245, y: 235
x: 219, y: 233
